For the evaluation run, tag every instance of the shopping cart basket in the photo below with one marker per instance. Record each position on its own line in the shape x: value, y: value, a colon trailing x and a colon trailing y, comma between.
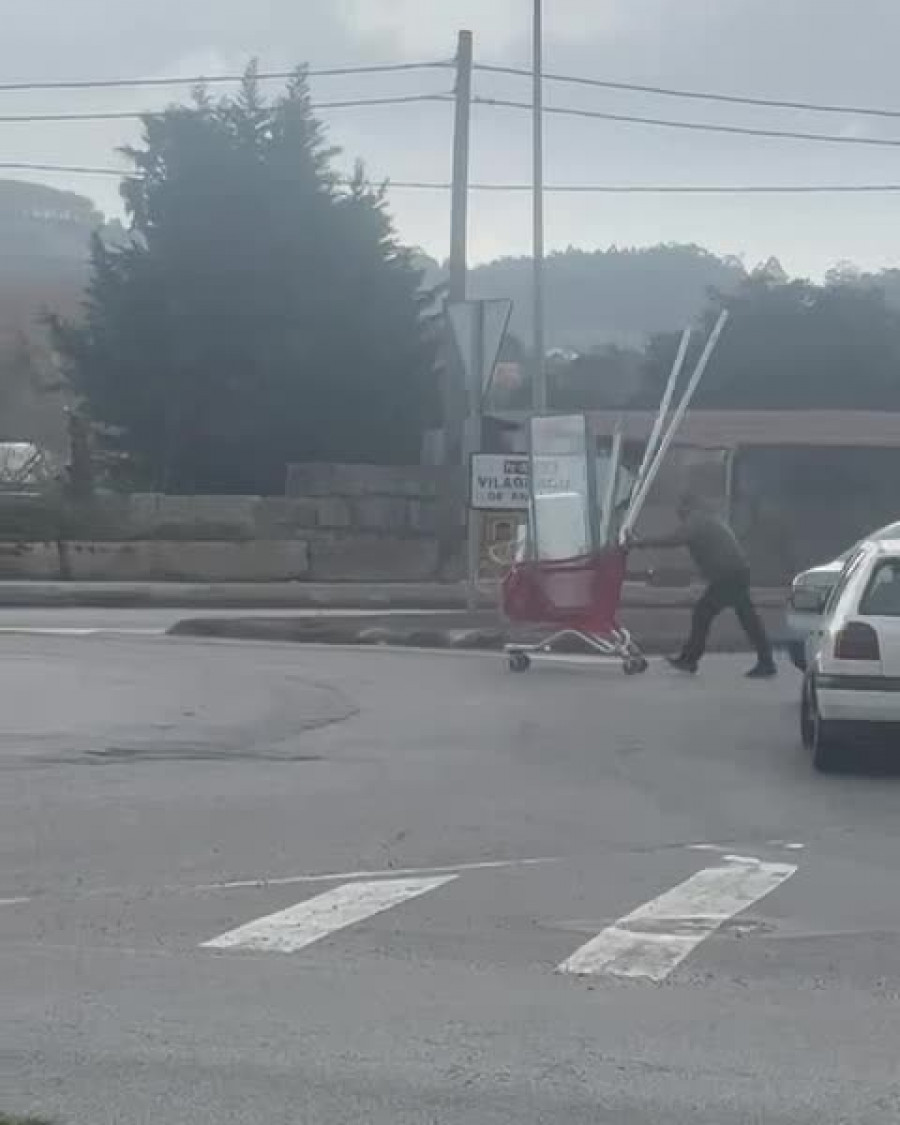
x: 578, y: 597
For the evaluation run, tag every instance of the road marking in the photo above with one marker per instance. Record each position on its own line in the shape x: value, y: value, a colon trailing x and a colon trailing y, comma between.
x: 79, y: 631
x: 307, y: 922
x: 724, y: 849
x: 388, y: 873
x: 13, y: 901
x: 654, y: 939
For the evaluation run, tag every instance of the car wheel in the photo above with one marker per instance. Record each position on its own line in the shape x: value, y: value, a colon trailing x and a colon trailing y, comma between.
x: 797, y: 652
x: 827, y: 753
x: 807, y: 715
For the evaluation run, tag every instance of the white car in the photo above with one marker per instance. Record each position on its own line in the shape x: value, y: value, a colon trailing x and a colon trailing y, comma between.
x: 852, y: 683
x: 810, y: 592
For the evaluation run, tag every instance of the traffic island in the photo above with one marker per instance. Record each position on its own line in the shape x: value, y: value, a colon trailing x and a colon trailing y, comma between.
x: 655, y: 628
x: 421, y: 630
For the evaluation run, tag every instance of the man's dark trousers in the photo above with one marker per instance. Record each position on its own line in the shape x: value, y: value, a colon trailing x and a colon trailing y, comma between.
x: 728, y: 592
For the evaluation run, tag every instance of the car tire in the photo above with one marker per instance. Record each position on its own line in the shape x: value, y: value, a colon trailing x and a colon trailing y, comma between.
x: 819, y: 735
x: 797, y: 652
x: 807, y: 718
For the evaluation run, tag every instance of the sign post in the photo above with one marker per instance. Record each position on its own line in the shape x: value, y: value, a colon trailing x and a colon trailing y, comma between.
x: 479, y: 328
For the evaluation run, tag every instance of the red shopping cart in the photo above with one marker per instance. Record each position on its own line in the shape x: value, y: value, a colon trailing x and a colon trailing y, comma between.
x: 577, y: 597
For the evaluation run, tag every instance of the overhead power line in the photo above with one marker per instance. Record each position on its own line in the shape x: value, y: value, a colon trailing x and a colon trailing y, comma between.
x: 131, y: 115
x: 696, y: 95
x: 665, y: 189
x: 695, y: 126
x: 502, y: 103
x: 573, y: 189
x: 216, y: 79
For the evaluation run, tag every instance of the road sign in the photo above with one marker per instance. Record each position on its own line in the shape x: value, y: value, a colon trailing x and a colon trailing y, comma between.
x: 479, y: 328
x: 499, y: 483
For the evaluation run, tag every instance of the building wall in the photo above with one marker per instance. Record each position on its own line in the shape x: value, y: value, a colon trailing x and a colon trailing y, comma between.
x: 798, y: 507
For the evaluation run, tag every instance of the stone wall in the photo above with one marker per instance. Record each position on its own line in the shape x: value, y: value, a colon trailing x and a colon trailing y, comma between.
x: 339, y: 523
x: 320, y: 559
x: 391, y: 499
x: 158, y: 561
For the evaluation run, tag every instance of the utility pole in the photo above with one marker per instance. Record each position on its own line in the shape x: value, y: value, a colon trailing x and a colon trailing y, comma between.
x: 459, y: 440
x: 461, y: 130
x: 455, y: 392
x: 472, y: 427
x: 539, y: 377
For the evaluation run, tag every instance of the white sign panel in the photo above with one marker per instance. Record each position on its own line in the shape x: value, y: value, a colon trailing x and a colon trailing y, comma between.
x: 499, y: 483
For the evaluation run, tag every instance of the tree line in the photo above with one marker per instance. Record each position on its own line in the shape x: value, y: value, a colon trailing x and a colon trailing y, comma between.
x: 261, y: 309
x: 789, y: 345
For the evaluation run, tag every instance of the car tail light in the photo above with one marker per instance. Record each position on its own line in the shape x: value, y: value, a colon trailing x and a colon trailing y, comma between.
x: 857, y: 641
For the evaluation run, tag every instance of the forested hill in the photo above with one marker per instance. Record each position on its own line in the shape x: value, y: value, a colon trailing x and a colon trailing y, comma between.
x: 617, y: 296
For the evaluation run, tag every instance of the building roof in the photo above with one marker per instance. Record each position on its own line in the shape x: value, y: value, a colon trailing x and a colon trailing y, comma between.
x: 726, y: 429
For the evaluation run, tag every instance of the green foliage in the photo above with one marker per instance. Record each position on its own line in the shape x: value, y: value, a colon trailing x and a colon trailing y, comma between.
x: 261, y: 313
x: 602, y: 379
x: 795, y: 346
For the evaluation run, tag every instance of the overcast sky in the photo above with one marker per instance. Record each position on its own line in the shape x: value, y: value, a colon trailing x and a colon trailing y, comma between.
x: 807, y: 50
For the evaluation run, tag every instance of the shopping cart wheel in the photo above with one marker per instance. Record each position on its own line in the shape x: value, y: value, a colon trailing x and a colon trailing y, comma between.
x: 636, y: 665
x: 519, y: 662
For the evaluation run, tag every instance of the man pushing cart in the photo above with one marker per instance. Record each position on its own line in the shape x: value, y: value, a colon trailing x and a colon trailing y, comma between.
x: 582, y: 518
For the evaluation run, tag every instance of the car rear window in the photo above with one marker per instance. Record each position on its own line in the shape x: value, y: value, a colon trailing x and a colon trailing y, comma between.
x: 882, y: 594
x: 837, y: 591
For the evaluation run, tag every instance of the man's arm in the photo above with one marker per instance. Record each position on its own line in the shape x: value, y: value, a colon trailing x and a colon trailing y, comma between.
x: 657, y: 542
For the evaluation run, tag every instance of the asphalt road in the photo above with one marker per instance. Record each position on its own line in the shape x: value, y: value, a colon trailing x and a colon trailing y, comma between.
x: 262, y: 884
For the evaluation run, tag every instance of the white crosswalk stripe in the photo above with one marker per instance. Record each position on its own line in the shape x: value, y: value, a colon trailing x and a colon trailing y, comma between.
x: 654, y: 939
x: 299, y: 926
x: 80, y: 631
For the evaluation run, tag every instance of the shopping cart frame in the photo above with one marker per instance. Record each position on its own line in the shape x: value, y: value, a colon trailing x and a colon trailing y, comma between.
x: 591, y: 586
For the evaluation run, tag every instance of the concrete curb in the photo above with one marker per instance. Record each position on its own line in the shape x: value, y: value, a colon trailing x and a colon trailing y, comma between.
x: 301, y: 595
x: 654, y: 629
x: 234, y: 595
x: 344, y: 632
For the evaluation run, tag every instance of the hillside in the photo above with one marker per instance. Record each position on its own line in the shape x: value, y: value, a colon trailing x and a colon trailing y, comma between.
x: 615, y: 296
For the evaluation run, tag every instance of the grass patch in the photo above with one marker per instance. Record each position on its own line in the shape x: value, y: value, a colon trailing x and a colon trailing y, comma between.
x: 6, y: 1119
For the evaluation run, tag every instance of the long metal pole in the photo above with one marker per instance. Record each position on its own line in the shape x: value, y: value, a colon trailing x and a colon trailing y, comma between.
x: 653, y: 441
x: 461, y: 129
x: 638, y: 500
x: 539, y: 377
x: 453, y: 389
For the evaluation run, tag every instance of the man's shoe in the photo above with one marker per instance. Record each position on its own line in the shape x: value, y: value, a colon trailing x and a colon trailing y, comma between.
x: 682, y: 664
x: 762, y: 671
